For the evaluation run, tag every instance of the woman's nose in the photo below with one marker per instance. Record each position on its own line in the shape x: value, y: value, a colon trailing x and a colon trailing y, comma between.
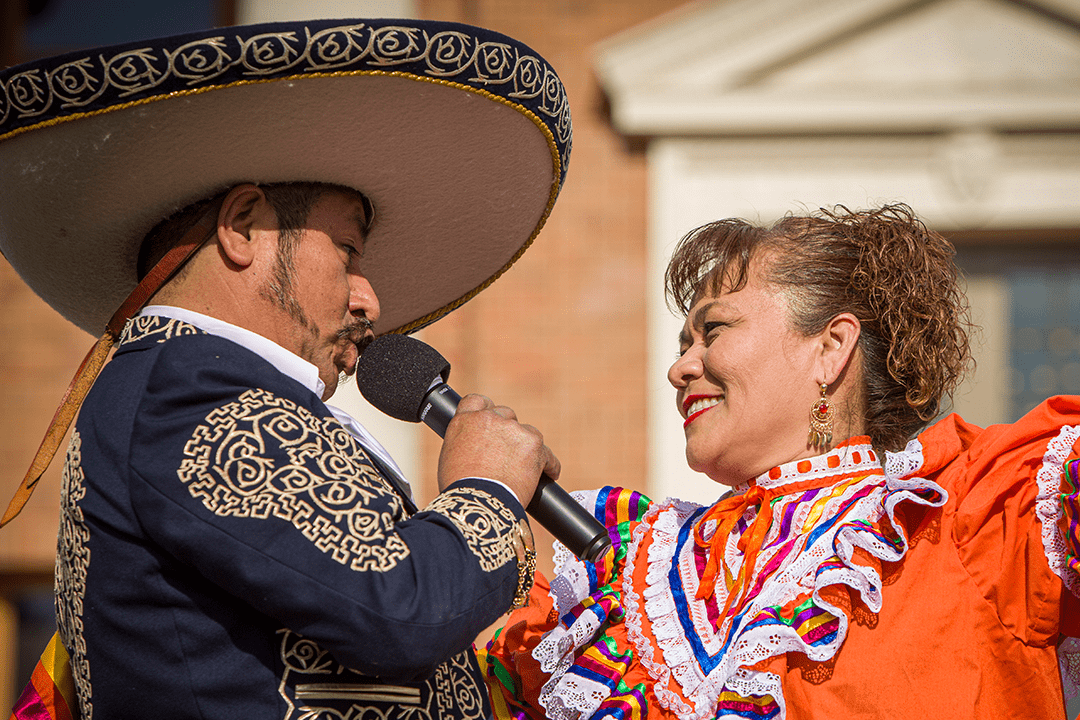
x: 686, y: 367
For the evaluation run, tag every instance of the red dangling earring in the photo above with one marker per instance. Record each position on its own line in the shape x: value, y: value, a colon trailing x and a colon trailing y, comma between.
x: 821, y: 421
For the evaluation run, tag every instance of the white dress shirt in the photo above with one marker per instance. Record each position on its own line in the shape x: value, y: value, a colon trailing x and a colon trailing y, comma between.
x: 287, y: 362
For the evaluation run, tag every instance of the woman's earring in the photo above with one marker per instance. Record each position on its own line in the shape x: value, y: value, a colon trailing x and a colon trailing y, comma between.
x: 821, y: 421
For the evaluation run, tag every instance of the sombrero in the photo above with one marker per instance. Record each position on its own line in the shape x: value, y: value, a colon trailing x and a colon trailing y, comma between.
x: 457, y: 135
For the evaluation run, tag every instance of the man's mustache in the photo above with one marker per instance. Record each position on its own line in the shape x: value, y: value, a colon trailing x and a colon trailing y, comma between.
x: 360, y: 333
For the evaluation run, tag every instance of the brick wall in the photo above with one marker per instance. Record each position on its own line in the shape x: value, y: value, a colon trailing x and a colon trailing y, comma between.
x: 39, y: 353
x: 561, y: 337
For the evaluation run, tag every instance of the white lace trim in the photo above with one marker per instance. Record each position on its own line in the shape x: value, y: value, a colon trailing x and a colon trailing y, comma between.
x: 749, y: 683
x: 569, y: 697
x: 676, y: 512
x: 749, y: 646
x: 903, y: 486
x: 1048, y: 504
x: 852, y: 459
x: 908, y: 461
x: 571, y: 582
x: 564, y: 697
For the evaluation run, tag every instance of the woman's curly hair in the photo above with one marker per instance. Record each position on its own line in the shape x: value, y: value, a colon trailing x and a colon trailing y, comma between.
x: 884, y: 266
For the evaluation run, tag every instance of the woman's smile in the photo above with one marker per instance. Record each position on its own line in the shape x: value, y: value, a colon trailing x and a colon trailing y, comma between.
x: 695, y: 405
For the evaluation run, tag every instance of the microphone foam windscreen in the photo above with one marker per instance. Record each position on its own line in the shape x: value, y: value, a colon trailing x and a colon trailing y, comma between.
x: 395, y: 373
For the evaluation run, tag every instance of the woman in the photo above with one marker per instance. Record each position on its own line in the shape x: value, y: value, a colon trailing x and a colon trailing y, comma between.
x: 851, y: 571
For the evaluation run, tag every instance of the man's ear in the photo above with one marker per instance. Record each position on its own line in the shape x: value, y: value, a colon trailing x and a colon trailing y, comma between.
x: 838, y: 342
x: 244, y: 212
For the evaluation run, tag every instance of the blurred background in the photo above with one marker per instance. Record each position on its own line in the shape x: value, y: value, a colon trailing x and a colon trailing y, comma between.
x: 684, y: 112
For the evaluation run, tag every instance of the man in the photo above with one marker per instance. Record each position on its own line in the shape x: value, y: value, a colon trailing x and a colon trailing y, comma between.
x: 230, y: 546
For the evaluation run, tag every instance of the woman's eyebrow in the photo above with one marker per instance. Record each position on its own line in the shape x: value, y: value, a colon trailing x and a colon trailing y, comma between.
x: 699, y: 316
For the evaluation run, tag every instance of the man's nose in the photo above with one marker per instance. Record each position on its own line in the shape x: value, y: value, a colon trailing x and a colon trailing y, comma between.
x: 362, y: 298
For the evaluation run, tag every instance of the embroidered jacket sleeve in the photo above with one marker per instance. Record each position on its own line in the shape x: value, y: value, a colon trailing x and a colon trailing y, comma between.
x: 246, y: 478
x: 1015, y: 497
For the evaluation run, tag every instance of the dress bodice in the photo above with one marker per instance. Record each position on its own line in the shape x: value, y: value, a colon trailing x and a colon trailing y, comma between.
x: 828, y: 544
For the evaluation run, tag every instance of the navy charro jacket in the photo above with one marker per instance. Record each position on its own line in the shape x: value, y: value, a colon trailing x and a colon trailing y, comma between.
x: 227, y: 550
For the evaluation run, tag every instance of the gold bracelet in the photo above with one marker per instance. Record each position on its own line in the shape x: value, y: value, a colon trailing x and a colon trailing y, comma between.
x: 525, y: 550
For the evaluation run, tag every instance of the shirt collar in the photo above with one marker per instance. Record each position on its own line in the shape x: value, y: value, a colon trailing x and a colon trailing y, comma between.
x: 854, y: 455
x: 287, y: 362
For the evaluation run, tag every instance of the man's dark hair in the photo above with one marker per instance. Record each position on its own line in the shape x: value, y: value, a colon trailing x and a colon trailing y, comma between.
x: 291, y: 201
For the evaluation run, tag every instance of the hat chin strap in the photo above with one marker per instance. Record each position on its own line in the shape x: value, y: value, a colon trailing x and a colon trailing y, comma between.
x: 91, y: 365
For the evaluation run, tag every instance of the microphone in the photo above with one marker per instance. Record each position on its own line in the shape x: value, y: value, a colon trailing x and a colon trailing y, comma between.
x: 406, y: 379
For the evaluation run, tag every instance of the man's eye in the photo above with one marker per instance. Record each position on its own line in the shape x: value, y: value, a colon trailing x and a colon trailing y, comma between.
x: 709, y: 327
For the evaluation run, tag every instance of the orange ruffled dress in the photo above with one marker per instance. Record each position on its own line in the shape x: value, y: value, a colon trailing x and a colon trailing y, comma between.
x: 941, y: 581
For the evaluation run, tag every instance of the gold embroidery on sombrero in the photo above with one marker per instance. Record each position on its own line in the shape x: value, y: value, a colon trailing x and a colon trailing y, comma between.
x: 264, y: 457
x: 72, y: 565
x: 446, y: 55
x: 486, y: 526
x: 144, y: 326
x: 313, y: 684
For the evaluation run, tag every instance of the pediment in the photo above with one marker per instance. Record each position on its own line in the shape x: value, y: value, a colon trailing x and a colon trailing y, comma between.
x: 792, y: 66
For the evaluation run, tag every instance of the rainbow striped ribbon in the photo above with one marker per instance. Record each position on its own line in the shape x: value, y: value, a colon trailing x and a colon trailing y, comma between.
x: 50, y: 694
x: 1070, y: 509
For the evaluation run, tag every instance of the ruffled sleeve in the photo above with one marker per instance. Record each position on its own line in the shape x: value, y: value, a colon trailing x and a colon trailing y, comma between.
x: 514, y: 678
x: 1016, y: 503
x: 1062, y: 524
x: 566, y: 652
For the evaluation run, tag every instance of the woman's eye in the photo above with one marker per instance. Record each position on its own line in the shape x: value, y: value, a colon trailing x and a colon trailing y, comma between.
x: 709, y: 327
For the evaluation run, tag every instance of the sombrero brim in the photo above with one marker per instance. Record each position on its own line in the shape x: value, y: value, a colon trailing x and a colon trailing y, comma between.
x: 459, y: 137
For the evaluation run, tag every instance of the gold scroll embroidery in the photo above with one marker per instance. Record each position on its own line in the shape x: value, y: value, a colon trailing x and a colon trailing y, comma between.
x: 263, y: 456
x: 485, y: 525
x: 72, y: 566
x: 314, y: 685
x: 145, y: 326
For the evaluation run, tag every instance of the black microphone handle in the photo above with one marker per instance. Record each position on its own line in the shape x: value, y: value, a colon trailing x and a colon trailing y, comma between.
x: 551, y: 506
x: 572, y: 525
x: 439, y: 407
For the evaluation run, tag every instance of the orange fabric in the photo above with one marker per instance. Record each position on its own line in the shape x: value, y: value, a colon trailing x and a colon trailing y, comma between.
x: 519, y: 637
x: 970, y: 618
x: 524, y: 629
x: 727, y: 514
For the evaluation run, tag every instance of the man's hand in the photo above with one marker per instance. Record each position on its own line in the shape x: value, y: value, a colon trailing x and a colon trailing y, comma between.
x: 486, y: 441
